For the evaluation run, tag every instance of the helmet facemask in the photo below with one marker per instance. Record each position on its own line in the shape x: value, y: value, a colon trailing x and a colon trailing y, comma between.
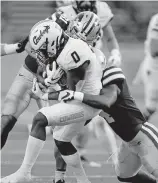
x: 86, y: 5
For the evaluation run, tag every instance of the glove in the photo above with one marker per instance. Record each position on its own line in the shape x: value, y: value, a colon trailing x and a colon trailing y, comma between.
x: 53, y: 75
x: 115, y: 58
x: 22, y: 44
x: 66, y: 95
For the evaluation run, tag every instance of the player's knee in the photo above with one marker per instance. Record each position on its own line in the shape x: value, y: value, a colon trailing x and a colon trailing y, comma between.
x: 7, y: 123
x: 39, y: 120
x: 65, y: 148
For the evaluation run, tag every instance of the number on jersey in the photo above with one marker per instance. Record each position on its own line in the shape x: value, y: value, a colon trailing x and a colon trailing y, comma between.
x: 75, y: 57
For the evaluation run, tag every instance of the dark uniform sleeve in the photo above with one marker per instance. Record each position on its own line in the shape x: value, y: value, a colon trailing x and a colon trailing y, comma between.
x: 60, y: 19
x: 112, y: 75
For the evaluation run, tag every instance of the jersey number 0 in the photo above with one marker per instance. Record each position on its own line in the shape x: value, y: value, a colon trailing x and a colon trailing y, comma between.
x: 75, y: 56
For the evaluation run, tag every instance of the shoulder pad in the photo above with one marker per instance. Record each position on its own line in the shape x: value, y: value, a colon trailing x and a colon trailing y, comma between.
x: 112, y: 74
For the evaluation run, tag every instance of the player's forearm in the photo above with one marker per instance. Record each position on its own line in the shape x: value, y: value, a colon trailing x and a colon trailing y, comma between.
x: 99, y: 101
x: 53, y: 96
x: 7, y: 49
x: 112, y: 42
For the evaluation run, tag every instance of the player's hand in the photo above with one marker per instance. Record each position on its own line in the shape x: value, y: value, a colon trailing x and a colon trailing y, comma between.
x: 55, y: 73
x: 66, y: 95
x: 36, y: 89
x: 115, y: 58
x: 22, y: 44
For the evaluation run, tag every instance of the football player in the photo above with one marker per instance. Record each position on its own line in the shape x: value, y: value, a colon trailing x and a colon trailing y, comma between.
x: 103, y: 11
x: 139, y: 138
x: 148, y: 71
x: 82, y: 67
x: 19, y: 47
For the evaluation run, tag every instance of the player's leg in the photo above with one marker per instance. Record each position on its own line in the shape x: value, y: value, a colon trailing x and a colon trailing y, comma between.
x: 150, y: 88
x: 16, y: 101
x: 151, y: 97
x: 63, y: 137
x: 128, y: 167
x: 105, y: 135
x: 60, y: 166
x: 59, y: 114
x: 147, y: 148
x: 80, y: 141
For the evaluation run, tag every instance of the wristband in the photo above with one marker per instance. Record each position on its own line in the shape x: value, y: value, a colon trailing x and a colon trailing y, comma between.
x: 10, y: 48
x: 79, y: 96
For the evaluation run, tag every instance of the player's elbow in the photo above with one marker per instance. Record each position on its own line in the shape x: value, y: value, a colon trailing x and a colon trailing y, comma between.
x: 108, y: 102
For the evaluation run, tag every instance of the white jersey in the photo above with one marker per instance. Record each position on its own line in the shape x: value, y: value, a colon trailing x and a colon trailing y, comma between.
x: 152, y: 33
x: 100, y: 57
x: 103, y: 12
x: 75, y: 53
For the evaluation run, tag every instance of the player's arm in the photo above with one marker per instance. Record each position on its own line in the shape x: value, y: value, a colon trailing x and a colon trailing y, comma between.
x: 112, y: 45
x: 105, y: 100
x: 75, y: 75
x: 39, y: 75
x: 7, y: 49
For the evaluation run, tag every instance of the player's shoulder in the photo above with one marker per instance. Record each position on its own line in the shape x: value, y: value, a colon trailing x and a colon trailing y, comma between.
x: 112, y: 74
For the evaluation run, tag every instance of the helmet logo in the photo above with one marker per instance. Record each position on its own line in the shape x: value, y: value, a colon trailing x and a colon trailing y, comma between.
x: 36, y: 39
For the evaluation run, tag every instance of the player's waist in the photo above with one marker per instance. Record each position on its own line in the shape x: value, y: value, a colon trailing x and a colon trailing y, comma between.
x: 25, y: 72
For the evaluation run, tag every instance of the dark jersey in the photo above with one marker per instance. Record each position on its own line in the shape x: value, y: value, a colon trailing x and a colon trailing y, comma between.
x: 63, y: 22
x: 124, y: 117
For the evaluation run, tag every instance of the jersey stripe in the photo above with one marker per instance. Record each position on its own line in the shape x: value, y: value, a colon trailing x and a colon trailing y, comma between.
x: 150, y: 135
x: 152, y: 128
x: 111, y: 74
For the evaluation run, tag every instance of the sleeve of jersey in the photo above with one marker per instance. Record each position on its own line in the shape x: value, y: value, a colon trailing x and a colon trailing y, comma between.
x: 153, y: 27
x: 112, y: 75
x: 106, y: 14
x: 60, y: 19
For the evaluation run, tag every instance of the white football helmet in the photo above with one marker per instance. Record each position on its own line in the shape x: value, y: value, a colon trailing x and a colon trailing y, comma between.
x: 86, y: 26
x: 45, y: 38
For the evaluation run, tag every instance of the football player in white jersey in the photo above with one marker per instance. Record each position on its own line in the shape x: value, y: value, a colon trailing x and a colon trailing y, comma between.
x: 148, y: 71
x: 80, y: 65
x: 103, y: 11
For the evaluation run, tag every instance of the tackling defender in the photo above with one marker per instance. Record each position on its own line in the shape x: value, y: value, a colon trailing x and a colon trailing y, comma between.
x: 148, y: 71
x: 139, y: 138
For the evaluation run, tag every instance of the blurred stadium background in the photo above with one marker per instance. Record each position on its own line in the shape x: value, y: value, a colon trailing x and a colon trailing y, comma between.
x: 17, y: 17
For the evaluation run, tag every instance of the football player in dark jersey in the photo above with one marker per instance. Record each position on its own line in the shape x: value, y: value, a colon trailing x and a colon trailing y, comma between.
x: 139, y: 138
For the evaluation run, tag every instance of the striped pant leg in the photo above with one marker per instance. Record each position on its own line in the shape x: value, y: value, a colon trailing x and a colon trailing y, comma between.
x: 145, y: 144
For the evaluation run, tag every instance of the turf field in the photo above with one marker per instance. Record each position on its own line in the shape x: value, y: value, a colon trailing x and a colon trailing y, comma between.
x: 43, y: 171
